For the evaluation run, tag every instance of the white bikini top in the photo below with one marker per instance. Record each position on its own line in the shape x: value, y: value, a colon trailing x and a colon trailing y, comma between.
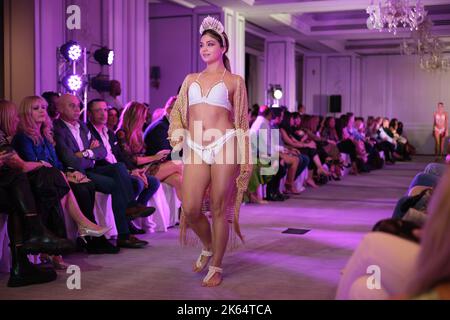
x: 440, y: 118
x: 217, y: 95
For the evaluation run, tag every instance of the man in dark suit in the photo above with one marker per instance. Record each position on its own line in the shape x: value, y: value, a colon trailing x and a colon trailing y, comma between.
x: 78, y: 151
x: 144, y: 186
x: 156, y: 134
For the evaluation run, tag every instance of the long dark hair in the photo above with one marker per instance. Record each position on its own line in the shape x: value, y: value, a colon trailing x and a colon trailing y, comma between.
x: 286, y: 122
x: 226, y: 45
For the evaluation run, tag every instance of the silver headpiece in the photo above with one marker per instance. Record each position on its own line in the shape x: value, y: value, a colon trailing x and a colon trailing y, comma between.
x: 210, y: 23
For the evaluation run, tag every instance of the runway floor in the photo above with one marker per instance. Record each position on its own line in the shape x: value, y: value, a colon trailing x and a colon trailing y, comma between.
x: 271, y: 265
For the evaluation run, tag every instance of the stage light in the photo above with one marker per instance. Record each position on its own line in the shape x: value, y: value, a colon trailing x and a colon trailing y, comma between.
x: 73, y: 82
x: 71, y: 51
x: 104, y: 56
x: 277, y: 94
x: 101, y: 83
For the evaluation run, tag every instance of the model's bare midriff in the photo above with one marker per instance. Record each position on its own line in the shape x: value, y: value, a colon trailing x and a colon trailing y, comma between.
x: 211, y: 117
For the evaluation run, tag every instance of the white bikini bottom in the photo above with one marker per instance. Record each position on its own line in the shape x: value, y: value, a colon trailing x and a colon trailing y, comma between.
x: 208, y: 153
x: 439, y: 130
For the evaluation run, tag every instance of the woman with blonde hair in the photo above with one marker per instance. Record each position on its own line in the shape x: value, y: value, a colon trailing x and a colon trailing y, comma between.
x: 34, y: 142
x: 131, y: 141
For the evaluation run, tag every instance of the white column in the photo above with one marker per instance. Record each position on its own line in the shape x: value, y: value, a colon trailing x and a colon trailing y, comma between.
x: 234, y: 24
x: 280, y: 68
x: 49, y: 33
x: 128, y: 36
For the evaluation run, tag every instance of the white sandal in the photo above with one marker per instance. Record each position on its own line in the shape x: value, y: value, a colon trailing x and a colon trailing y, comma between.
x: 198, y: 263
x: 211, y: 272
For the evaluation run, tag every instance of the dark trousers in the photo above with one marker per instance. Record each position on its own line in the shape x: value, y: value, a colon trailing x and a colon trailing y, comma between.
x: 143, y: 194
x: 310, y: 153
x: 17, y: 200
x: 304, y: 163
x: 114, y: 179
x: 85, y: 195
x: 388, y: 149
x: 49, y: 187
x: 347, y: 146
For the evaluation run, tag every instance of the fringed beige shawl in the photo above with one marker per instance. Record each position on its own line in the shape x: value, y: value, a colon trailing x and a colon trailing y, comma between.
x: 179, y: 121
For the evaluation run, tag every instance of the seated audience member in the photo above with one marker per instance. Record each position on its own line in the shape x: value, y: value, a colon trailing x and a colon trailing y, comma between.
x: 431, y: 276
x: 330, y: 132
x: 260, y: 138
x: 144, y: 186
x: 155, y: 136
x: 34, y: 142
x: 301, y: 109
x: 51, y: 98
x: 298, y: 139
x: 349, y: 132
x: 253, y: 114
x: 380, y: 145
x: 131, y: 141
x: 48, y: 184
x: 148, y: 118
x: 326, y: 149
x: 287, y: 163
x: 290, y: 124
x: 113, y: 119
x: 111, y: 97
x: 157, y: 114
x: 77, y: 149
x: 409, y: 147
x: 25, y: 228
x: 401, y: 141
x: 385, y: 134
x: 438, y: 169
x: 409, y: 270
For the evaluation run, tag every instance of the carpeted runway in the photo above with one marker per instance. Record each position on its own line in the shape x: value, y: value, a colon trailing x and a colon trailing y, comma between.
x: 271, y: 265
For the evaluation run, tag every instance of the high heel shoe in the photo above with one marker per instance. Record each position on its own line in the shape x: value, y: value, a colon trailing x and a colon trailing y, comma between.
x: 86, y: 231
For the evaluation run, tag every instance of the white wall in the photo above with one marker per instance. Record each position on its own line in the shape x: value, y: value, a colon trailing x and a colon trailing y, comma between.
x: 392, y: 86
x: 397, y: 87
x: 280, y: 68
x: 121, y: 25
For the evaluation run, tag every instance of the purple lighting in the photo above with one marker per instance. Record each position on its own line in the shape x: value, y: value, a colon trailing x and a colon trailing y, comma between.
x: 104, y: 56
x: 71, y: 51
x: 74, y: 52
x: 110, y: 57
x: 73, y: 82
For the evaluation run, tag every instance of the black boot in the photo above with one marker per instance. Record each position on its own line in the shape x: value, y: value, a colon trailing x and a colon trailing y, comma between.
x: 24, y: 273
x: 99, y: 245
x: 41, y: 240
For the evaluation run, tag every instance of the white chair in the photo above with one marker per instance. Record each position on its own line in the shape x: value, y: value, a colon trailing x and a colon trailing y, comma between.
x: 166, y: 202
x: 103, y: 215
x: 299, y: 182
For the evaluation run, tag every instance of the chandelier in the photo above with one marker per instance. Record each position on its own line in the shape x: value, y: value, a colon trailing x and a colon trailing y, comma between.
x: 391, y: 14
x: 428, y: 47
